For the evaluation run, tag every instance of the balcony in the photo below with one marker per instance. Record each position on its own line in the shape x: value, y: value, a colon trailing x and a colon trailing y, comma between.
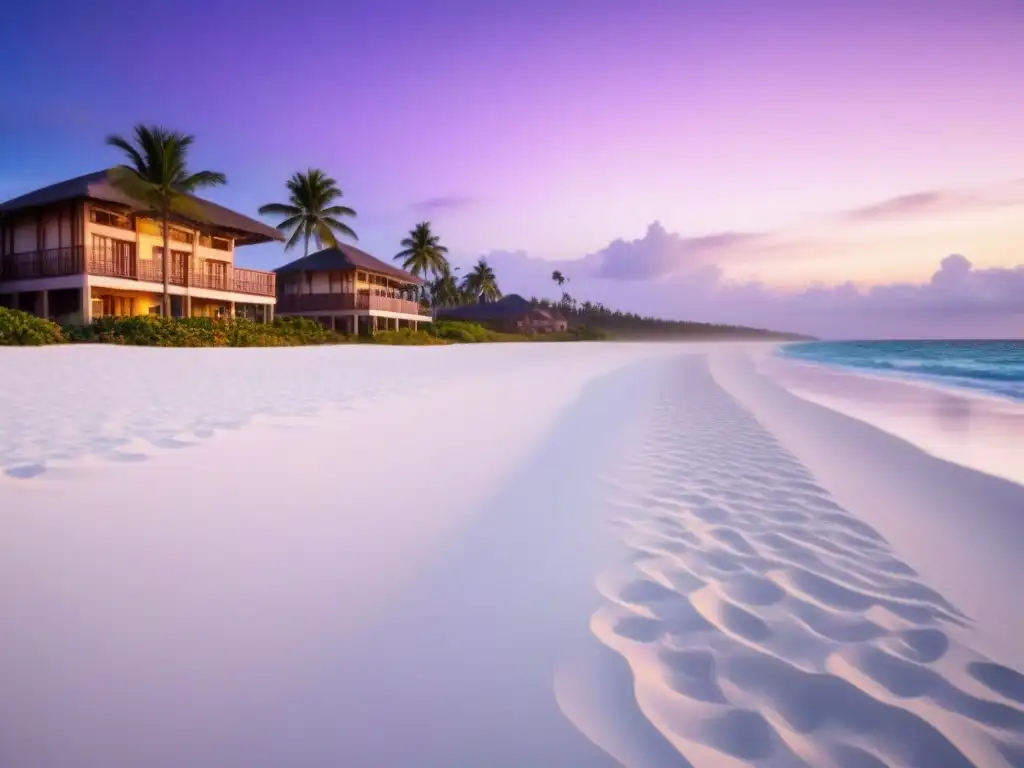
x: 334, y: 302
x: 76, y: 260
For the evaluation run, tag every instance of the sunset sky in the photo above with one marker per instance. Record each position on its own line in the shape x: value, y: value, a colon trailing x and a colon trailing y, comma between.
x: 774, y: 147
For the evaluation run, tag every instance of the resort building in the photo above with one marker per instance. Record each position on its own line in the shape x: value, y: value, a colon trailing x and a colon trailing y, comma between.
x: 350, y: 291
x: 511, y: 314
x: 82, y: 249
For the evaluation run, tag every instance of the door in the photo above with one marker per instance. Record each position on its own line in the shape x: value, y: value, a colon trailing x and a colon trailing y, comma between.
x: 180, y: 267
x: 215, y: 275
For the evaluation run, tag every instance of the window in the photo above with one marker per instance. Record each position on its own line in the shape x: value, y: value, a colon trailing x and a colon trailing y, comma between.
x: 117, y: 306
x: 180, y: 235
x: 217, y: 243
x: 111, y: 256
x: 110, y: 219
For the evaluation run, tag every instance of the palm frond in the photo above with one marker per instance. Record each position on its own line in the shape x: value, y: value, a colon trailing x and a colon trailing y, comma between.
x: 119, y: 142
x: 279, y: 209
x: 290, y: 223
x: 297, y: 237
x: 338, y: 210
x: 202, y: 179
x: 339, y: 227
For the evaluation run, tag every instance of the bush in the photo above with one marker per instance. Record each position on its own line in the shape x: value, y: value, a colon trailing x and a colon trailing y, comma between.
x: 462, y: 332
x: 155, y: 331
x: 21, y: 329
x: 583, y: 333
x: 404, y: 337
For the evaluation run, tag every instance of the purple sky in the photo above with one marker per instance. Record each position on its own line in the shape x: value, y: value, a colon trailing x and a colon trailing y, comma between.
x: 672, y: 156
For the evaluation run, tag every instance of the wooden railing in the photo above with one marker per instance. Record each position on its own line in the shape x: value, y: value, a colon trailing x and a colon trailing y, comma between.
x: 334, y: 302
x: 76, y: 260
x: 56, y: 262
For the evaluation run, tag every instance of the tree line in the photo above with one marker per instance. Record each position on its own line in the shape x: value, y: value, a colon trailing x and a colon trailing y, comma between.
x: 157, y: 173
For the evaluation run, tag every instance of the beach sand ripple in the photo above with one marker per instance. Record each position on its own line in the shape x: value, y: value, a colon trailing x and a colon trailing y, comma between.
x: 765, y: 625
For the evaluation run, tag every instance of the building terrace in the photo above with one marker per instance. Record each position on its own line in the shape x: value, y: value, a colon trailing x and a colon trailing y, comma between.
x: 349, y: 290
x: 83, y: 248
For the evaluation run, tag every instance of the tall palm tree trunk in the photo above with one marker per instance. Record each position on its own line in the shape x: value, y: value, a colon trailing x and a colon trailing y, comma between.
x: 166, y: 258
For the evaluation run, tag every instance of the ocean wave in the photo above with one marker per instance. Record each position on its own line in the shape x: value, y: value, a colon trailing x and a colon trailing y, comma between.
x: 989, y: 367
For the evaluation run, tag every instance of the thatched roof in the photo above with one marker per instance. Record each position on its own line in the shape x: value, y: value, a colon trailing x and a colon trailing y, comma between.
x: 346, y: 257
x: 97, y: 186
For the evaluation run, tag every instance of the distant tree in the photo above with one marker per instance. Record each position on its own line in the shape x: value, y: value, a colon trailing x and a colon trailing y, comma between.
x: 444, y: 290
x: 481, y: 284
x: 157, y: 175
x: 422, y: 253
x: 558, y: 277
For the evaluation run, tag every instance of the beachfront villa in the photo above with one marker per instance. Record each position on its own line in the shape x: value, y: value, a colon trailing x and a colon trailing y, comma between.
x: 82, y: 249
x: 350, y: 291
x: 511, y: 314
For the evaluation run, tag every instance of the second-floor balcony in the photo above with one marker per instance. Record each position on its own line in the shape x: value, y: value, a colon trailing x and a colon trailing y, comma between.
x: 77, y: 260
x: 334, y: 302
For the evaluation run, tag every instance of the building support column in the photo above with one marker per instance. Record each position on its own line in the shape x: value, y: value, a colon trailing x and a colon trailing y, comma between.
x: 86, y: 294
x: 231, y: 310
x: 268, y: 313
x: 44, y: 304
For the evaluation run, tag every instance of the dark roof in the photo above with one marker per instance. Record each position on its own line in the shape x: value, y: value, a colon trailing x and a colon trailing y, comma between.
x: 511, y: 306
x: 97, y: 186
x: 346, y: 257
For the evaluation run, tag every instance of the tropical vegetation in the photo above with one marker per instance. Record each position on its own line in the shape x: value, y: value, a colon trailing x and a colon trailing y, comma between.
x: 312, y: 212
x: 422, y: 253
x: 481, y: 284
x: 22, y: 329
x: 157, y: 174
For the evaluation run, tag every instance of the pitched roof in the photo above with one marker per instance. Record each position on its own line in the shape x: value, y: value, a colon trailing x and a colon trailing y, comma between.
x: 97, y: 186
x: 510, y: 306
x: 346, y: 257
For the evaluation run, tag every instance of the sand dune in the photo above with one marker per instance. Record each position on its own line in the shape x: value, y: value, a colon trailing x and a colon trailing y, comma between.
x: 580, y: 555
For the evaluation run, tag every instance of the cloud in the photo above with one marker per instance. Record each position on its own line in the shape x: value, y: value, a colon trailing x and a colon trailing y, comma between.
x: 670, y: 275
x: 660, y: 253
x: 940, y: 202
x: 443, y: 203
x: 958, y: 301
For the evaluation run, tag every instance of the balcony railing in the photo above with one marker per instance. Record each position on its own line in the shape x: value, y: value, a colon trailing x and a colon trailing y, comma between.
x: 55, y: 262
x: 76, y: 260
x: 333, y: 302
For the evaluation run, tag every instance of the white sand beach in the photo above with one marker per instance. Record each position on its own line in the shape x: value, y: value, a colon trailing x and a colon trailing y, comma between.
x: 500, y: 555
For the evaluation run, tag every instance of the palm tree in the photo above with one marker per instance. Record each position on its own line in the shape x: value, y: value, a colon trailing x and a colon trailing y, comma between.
x: 422, y: 252
x: 444, y: 290
x: 481, y: 284
x: 310, y: 212
x: 157, y: 174
x: 558, y: 277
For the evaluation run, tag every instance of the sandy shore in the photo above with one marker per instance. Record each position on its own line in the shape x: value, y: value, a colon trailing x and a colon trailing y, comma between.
x: 585, y: 555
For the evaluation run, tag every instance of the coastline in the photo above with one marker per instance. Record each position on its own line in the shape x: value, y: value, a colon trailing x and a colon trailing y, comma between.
x: 975, y: 429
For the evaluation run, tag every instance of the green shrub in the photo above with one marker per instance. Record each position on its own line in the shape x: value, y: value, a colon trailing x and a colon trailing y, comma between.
x: 461, y: 332
x: 404, y: 337
x: 584, y: 333
x: 155, y: 331
x: 21, y: 329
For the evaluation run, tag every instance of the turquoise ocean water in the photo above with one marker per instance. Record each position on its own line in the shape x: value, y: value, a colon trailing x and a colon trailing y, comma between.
x: 987, y: 367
